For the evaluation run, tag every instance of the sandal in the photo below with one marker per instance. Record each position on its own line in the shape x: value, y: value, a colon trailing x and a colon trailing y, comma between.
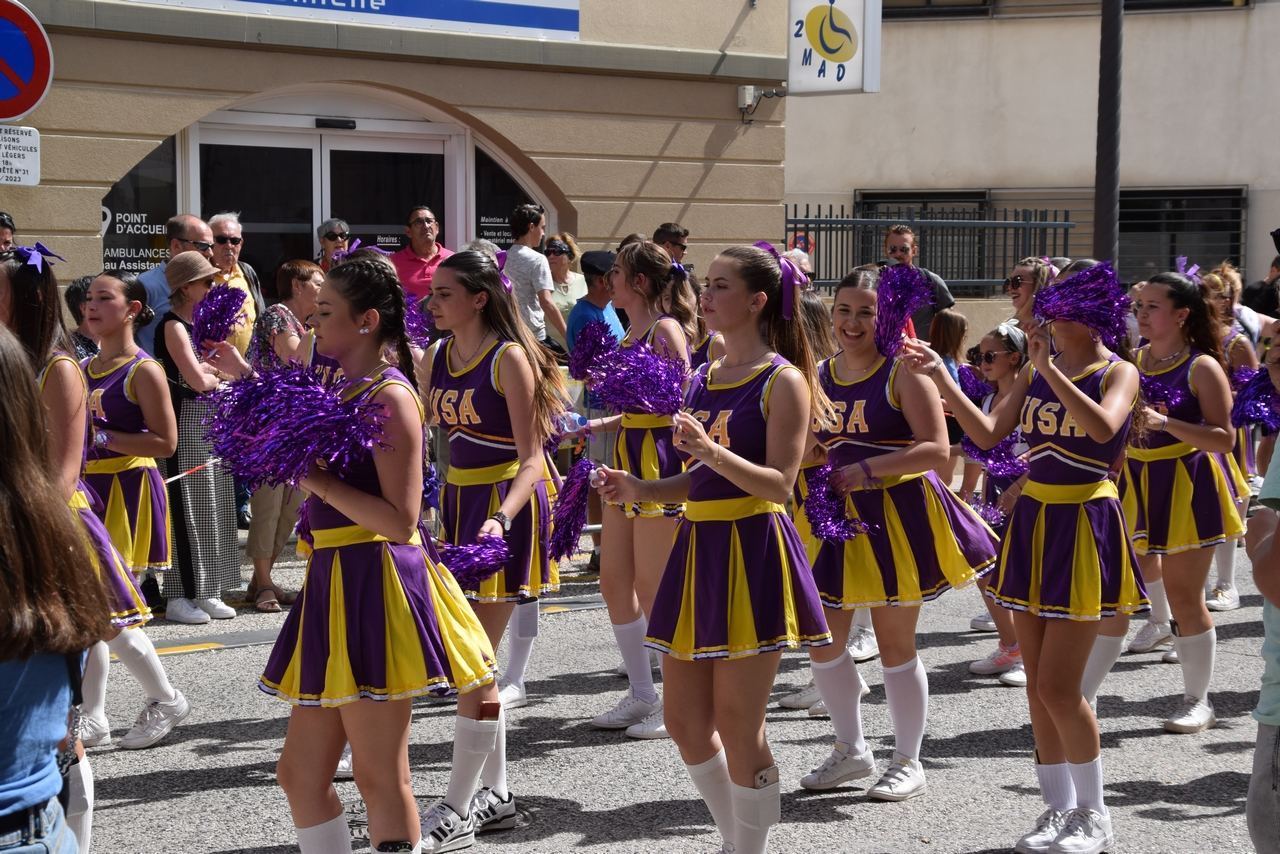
x: 283, y: 597
x: 264, y: 601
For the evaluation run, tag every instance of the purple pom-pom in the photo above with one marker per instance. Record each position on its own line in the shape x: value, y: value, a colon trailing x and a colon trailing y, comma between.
x: 431, y: 486
x: 1093, y: 297
x: 971, y: 385
x: 570, y: 514
x: 474, y: 564
x: 269, y: 428
x: 990, y: 513
x: 418, y: 322
x: 1257, y: 402
x: 903, y: 290
x: 304, y: 526
x: 1000, y: 461
x: 216, y: 315
x: 826, y: 511
x: 1158, y: 395
x: 593, y: 350
x: 1240, y: 377
x: 642, y: 381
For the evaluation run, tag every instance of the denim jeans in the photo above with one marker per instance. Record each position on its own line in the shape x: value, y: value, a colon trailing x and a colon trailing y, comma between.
x: 48, y: 834
x: 1262, y: 810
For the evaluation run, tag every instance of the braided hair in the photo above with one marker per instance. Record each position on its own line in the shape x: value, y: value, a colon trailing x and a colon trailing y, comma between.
x: 367, y: 284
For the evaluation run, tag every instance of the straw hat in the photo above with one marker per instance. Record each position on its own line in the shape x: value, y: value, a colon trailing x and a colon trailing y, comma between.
x: 187, y: 267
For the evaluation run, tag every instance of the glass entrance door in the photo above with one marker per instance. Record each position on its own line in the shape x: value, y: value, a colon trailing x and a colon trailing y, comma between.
x: 373, y: 183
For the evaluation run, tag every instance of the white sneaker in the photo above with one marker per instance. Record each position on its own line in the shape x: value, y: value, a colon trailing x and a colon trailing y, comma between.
x: 630, y: 710
x: 1048, y: 828
x: 445, y: 830
x: 840, y: 766
x: 654, y: 726
x: 904, y: 779
x: 1086, y: 832
x: 1171, y: 657
x: 1150, y: 636
x: 1015, y: 676
x: 997, y: 661
x: 1223, y: 599
x: 984, y: 622
x: 490, y: 812
x: 621, y: 669
x: 184, y: 611
x: 93, y: 732
x: 819, y: 710
x: 510, y: 694
x: 802, y: 699
x: 344, y: 771
x: 154, y: 722
x: 863, y: 645
x: 215, y: 608
x: 1192, y: 716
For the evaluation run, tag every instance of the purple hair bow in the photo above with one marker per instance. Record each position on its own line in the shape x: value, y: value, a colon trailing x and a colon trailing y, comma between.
x: 792, y: 278
x: 1053, y: 271
x: 679, y: 270
x: 355, y: 244
x: 35, y: 255
x: 1181, y: 261
x: 502, y: 262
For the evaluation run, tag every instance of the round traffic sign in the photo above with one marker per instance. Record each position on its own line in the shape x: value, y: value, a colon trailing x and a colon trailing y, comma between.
x: 26, y: 61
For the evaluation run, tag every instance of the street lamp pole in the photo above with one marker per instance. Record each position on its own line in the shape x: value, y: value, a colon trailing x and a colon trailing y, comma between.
x: 1106, y: 191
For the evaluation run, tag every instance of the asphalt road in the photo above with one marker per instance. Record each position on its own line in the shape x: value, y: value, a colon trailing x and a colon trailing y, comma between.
x: 210, y: 787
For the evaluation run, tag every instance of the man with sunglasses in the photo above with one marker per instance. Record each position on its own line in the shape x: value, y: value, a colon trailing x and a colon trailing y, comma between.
x: 228, y: 240
x: 416, y: 263
x: 900, y: 248
x: 185, y: 233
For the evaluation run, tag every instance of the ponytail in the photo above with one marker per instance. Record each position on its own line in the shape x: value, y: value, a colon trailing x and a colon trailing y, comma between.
x: 1201, y: 328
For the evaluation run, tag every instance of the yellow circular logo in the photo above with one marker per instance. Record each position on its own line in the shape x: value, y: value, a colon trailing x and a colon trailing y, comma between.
x: 831, y: 33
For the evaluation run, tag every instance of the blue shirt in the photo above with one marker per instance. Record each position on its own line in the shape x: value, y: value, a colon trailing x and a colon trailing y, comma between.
x: 1268, y: 710
x: 35, y: 697
x: 585, y: 311
x: 158, y: 299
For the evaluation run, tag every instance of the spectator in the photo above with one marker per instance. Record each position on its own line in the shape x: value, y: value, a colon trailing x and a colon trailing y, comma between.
x: 1244, y: 320
x: 1262, y: 808
x: 8, y: 231
x: 228, y: 240
x: 948, y: 331
x: 1262, y: 296
x: 334, y: 234
x: 416, y: 263
x: 674, y: 238
x: 900, y: 246
x: 185, y: 232
x: 76, y: 294
x: 562, y: 252
x: 530, y: 274
x: 488, y: 247
x: 802, y: 261
x: 634, y: 237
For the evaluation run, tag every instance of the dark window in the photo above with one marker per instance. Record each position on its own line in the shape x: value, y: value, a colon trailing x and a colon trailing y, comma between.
x: 1158, y: 5
x: 1156, y: 226
x: 899, y: 9
x: 497, y: 195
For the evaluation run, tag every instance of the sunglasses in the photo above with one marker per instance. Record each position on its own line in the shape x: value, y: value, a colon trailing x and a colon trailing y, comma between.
x: 1015, y: 282
x: 557, y: 251
x: 336, y: 235
x: 989, y: 356
x: 223, y: 240
x: 198, y: 244
x: 421, y: 221
x: 683, y: 247
x: 894, y: 250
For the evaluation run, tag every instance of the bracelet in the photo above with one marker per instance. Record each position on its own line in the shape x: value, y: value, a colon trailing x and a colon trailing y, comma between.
x: 871, y: 481
x: 1164, y: 424
x: 933, y: 367
x: 324, y: 495
x: 717, y: 455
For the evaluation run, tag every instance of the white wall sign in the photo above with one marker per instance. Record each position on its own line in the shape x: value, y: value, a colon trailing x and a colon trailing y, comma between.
x: 19, y: 156
x: 833, y: 46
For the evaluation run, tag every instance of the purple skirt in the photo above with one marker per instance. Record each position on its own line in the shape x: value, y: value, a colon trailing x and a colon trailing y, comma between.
x: 135, y: 510
x: 126, y: 603
x: 646, y: 449
x: 1174, y: 502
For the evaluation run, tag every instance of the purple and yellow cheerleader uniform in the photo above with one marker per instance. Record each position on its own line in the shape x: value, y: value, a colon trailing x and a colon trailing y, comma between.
x: 701, y: 354
x: 737, y: 582
x: 374, y: 620
x: 471, y: 407
x: 994, y: 485
x: 1177, y: 497
x: 924, y: 539
x: 132, y: 490
x: 645, y: 448
x: 1066, y: 553
x: 1242, y: 456
x: 126, y: 603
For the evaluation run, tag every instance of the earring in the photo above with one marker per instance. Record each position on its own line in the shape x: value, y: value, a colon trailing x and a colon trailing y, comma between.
x: 364, y: 331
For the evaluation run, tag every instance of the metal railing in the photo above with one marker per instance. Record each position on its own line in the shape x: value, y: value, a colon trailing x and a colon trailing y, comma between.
x: 973, y: 250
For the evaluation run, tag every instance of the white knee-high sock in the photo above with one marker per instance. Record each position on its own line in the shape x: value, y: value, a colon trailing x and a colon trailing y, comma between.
x: 1056, y: 788
x: 473, y: 741
x: 862, y: 618
x: 907, y: 689
x: 635, y: 655
x: 138, y: 655
x: 1087, y: 778
x: 93, y: 685
x: 1160, y: 612
x: 494, y: 772
x: 754, y: 812
x: 841, y: 688
x: 711, y: 779
x: 523, y: 629
x: 80, y: 805
x: 1196, y: 654
x: 1106, y: 651
x: 332, y: 837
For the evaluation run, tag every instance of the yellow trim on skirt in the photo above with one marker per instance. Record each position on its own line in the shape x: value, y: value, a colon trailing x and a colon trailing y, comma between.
x: 481, y: 476
x: 79, y: 501
x: 730, y: 509
x: 1069, y: 493
x: 1183, y: 534
x: 1168, y: 452
x: 631, y: 420
x: 115, y: 465
x: 353, y: 535
x: 133, y: 540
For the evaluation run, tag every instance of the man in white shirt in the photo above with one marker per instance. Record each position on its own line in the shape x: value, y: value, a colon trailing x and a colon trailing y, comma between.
x: 530, y: 274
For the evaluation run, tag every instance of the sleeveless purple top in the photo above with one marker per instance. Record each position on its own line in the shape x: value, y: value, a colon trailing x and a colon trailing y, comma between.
x: 111, y: 402
x: 1177, y: 377
x: 1061, y: 453
x: 869, y: 422
x: 471, y: 406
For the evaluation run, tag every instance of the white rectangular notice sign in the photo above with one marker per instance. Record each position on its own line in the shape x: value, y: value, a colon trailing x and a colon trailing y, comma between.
x: 19, y: 156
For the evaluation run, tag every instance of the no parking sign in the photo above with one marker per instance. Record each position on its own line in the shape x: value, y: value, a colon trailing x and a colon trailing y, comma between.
x: 26, y: 61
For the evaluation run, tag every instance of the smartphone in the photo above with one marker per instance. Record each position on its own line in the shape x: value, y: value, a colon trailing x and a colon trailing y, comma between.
x: 767, y: 777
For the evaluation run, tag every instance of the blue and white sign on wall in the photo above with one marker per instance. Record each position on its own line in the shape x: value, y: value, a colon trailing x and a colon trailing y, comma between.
x: 833, y: 46
x: 538, y: 19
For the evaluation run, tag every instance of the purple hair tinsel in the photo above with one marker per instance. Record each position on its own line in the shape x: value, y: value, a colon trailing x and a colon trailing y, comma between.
x: 826, y: 510
x: 641, y: 380
x: 999, y: 461
x: 903, y: 290
x: 1257, y: 402
x: 971, y: 385
x: 1157, y: 394
x: 1094, y: 298
x: 593, y: 350
x: 268, y: 429
x: 213, y: 317
x: 418, y: 322
x: 569, y: 516
x: 474, y: 564
x: 990, y: 513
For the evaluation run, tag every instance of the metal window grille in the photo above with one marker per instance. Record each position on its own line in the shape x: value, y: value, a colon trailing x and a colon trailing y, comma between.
x: 908, y: 9
x: 1156, y: 226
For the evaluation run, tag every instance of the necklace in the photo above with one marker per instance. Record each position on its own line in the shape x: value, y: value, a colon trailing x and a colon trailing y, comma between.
x: 862, y: 370
x: 755, y: 358
x: 101, y: 361
x: 1168, y: 358
x: 476, y: 351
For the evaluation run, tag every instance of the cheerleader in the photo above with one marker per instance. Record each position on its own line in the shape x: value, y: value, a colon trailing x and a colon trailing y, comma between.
x: 1075, y: 411
x: 635, y: 537
x: 737, y: 588
x: 378, y: 620
x: 887, y: 438
x: 496, y: 393
x: 1028, y: 277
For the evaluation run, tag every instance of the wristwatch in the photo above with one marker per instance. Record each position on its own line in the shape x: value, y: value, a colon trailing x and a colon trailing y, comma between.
x: 502, y: 520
